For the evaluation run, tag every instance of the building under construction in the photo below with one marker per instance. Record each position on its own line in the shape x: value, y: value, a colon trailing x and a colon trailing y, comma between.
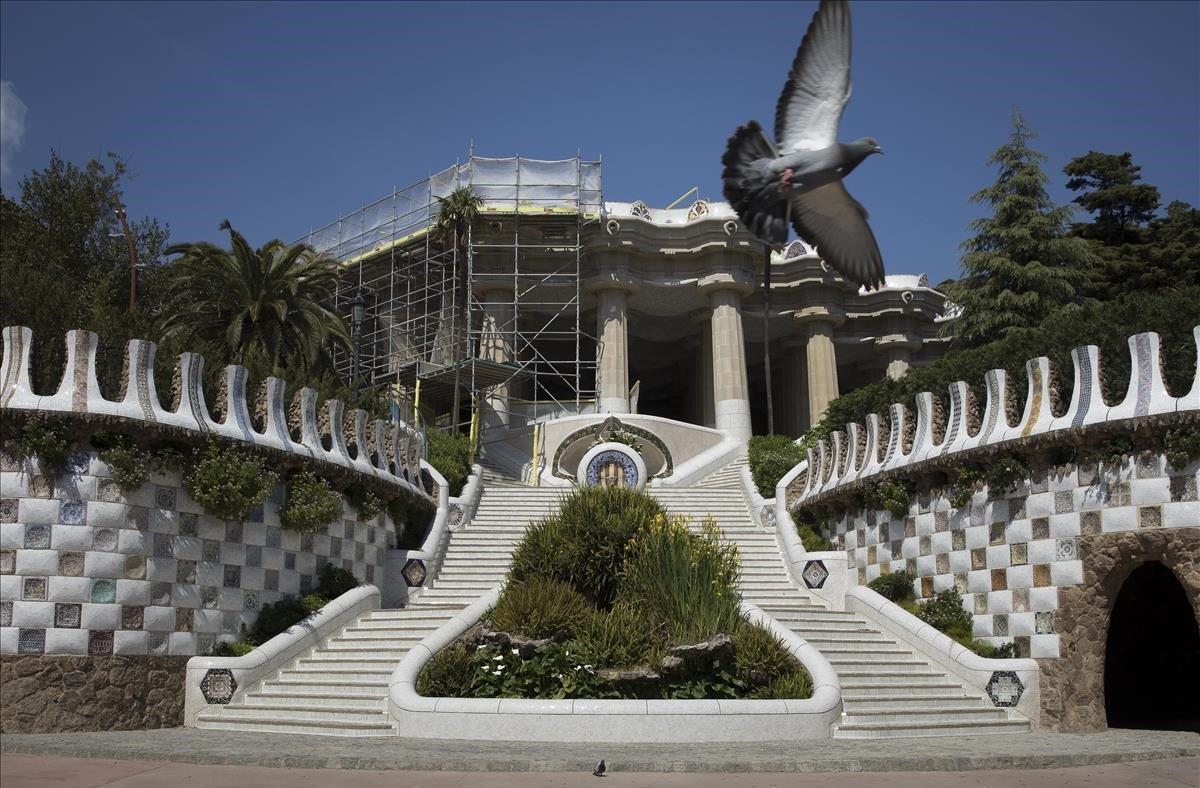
x: 557, y: 303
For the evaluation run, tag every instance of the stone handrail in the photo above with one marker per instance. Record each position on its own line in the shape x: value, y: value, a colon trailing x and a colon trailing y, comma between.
x: 864, y: 451
x: 248, y: 670
x: 580, y: 720
x: 974, y: 670
x: 389, y: 454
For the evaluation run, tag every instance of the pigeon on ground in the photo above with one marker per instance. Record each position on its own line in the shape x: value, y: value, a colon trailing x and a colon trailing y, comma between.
x: 802, y: 177
x: 599, y: 770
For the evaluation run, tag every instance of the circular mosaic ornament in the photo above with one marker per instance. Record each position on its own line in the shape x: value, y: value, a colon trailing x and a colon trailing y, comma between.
x: 612, y: 465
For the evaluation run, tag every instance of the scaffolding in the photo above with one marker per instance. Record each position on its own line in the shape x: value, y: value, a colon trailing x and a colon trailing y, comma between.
x: 446, y: 323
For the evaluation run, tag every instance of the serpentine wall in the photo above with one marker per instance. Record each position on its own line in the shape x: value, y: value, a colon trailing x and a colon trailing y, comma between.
x: 1037, y: 565
x: 125, y: 578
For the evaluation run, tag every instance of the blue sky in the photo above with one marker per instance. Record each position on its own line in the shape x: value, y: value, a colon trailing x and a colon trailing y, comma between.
x: 281, y: 117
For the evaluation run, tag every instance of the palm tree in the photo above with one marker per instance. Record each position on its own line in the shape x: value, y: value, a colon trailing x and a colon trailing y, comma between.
x: 266, y: 306
x: 456, y: 214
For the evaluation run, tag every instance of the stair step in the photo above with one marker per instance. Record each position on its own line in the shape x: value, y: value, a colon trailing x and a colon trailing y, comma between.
x: 868, y: 704
x: 335, y: 701
x: 281, y: 724
x: 353, y: 715
x: 852, y: 730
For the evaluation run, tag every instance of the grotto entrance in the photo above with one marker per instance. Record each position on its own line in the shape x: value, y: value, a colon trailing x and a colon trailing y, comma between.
x: 1150, y: 677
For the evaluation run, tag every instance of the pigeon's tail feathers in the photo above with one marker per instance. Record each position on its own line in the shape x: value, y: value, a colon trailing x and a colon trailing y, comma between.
x: 750, y: 186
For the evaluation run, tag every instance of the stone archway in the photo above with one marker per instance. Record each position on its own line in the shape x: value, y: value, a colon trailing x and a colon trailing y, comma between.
x: 1072, y: 686
x: 1153, y: 650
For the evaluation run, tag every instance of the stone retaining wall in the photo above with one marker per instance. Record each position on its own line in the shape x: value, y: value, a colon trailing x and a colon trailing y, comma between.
x: 40, y: 694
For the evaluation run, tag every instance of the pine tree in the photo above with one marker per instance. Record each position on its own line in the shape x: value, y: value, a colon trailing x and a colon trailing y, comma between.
x: 1021, y: 265
x: 1109, y: 187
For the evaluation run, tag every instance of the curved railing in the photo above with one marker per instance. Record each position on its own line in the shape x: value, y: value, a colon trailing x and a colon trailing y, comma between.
x: 387, y: 453
x: 864, y: 451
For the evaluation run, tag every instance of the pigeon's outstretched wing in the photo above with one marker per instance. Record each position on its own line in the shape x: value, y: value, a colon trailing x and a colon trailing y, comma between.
x: 750, y: 186
x: 818, y: 86
x: 833, y: 220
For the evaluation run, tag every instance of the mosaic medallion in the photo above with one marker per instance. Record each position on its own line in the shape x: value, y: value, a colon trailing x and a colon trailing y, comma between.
x: 1004, y: 688
x: 454, y: 515
x: 612, y: 468
x: 218, y: 686
x: 414, y: 572
x: 815, y: 574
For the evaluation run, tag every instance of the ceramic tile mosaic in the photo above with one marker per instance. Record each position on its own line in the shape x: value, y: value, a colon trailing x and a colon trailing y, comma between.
x: 100, y: 643
x: 31, y: 641
x: 996, y: 534
x: 67, y: 616
x: 185, y: 571
x: 1064, y: 502
x: 1016, y: 507
x: 72, y: 512
x: 164, y: 497
x: 8, y: 562
x: 1183, y: 488
x: 132, y: 617
x: 109, y: 491
x: 1065, y: 550
x: 271, y: 579
x: 249, y: 600
x: 160, y: 594
x: 188, y: 524
x: 232, y: 577
x: 1018, y: 554
x: 37, y: 537
x: 70, y: 564
x: 1044, y: 623
x: 1089, y: 523
x: 8, y: 510
x: 999, y: 579
x: 164, y: 546
x: 33, y: 588
x: 1041, y: 575
x: 183, y: 620
x: 6, y: 614
x: 105, y: 539
x: 1000, y: 626
x: 210, y: 550
x: 958, y: 540
x: 1149, y: 517
x: 104, y: 591
x: 1040, y: 527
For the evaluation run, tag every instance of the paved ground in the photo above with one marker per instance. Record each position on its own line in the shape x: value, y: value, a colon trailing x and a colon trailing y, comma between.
x: 35, y: 771
x: 960, y: 753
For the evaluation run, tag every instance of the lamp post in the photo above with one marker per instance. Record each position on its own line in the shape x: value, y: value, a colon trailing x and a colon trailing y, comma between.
x: 358, y: 313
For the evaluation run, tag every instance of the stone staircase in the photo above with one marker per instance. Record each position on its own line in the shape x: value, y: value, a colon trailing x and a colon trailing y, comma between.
x: 340, y: 687
x: 888, y: 690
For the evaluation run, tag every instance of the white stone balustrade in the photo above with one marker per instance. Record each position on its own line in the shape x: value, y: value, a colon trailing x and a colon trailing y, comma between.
x: 389, y: 454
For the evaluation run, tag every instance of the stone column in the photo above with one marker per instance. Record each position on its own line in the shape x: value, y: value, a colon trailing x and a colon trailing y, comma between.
x: 612, y: 351
x: 731, y: 392
x: 795, y: 386
x: 819, y: 323
x: 898, y: 349
x: 704, y: 375
x: 495, y: 344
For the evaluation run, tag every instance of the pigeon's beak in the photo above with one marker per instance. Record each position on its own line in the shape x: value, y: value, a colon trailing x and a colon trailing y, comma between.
x: 878, y: 150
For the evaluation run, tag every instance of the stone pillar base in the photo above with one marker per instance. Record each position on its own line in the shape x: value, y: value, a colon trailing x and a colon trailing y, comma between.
x: 733, y: 418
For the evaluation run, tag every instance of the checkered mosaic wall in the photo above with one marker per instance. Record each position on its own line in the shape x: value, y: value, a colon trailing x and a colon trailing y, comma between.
x: 1009, y: 555
x: 87, y: 569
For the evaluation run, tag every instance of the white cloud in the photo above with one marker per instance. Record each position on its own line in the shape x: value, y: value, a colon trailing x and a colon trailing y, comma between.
x: 12, y: 125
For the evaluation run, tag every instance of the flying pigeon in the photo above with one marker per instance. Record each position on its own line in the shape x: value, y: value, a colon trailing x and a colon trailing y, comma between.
x: 801, y: 176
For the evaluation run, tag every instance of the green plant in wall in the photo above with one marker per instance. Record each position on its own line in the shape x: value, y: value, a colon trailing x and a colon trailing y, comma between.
x: 1005, y: 473
x: 228, y: 482
x: 450, y: 454
x: 1183, y: 445
x: 965, y: 481
x: 42, y: 441
x: 771, y: 457
x: 894, y: 586
x: 894, y: 495
x: 364, y: 501
x: 310, y: 505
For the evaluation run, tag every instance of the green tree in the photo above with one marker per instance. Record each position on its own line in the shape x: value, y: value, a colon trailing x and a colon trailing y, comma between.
x: 64, y: 264
x: 265, y: 308
x: 1021, y: 265
x: 1109, y: 187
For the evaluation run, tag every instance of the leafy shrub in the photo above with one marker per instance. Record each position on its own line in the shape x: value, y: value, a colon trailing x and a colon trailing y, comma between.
x: 988, y: 651
x: 771, y: 457
x: 43, y: 441
x: 313, y: 602
x: 449, y: 674
x: 793, y: 685
x: 619, y: 638
x: 365, y: 502
x: 227, y: 482
x: 558, y: 670
x: 1111, y: 450
x: 236, y: 648
x: 962, y: 488
x: 759, y: 655
x: 412, y: 518
x: 450, y: 454
x: 540, y: 608
x: 812, y: 539
x: 894, y: 586
x: 276, y: 617
x: 945, y: 612
x: 335, y: 581
x: 547, y: 551
x: 311, y: 504
x: 1005, y: 473
x: 894, y: 495
x: 129, y: 464
x: 686, y: 582
x: 601, y: 522
x: 1183, y: 445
